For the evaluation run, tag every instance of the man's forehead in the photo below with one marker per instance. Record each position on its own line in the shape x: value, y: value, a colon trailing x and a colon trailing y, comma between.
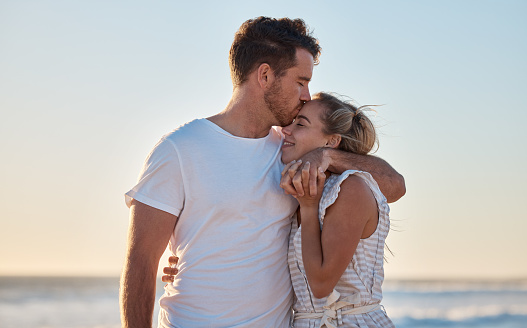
x: 304, y: 64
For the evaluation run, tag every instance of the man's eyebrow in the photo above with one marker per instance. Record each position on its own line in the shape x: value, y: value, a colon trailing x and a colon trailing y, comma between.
x: 305, y: 118
x: 304, y: 78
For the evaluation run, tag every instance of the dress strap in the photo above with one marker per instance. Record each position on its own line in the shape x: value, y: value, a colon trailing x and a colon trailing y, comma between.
x: 333, y: 310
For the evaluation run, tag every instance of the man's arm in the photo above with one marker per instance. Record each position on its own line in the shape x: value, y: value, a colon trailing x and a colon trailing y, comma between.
x: 148, y: 236
x: 390, y: 181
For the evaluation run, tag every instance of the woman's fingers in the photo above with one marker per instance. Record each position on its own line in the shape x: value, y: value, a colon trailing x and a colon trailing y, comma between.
x: 169, y: 274
x: 306, y: 176
x: 300, y: 178
x: 321, y: 179
x: 170, y: 271
x: 172, y: 260
x: 300, y: 182
x: 286, y: 168
x: 167, y: 278
x: 314, y: 185
x: 297, y: 180
x: 294, y: 168
x: 286, y: 182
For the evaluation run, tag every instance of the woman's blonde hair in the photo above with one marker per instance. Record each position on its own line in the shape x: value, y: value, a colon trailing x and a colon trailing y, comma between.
x: 349, y: 121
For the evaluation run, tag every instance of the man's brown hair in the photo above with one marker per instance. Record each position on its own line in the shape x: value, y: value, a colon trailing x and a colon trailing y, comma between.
x: 272, y: 41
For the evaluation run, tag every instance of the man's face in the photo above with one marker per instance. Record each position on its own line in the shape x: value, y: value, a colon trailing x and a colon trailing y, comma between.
x: 289, y: 92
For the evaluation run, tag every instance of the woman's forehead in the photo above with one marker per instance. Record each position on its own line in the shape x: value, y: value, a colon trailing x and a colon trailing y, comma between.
x: 311, y: 108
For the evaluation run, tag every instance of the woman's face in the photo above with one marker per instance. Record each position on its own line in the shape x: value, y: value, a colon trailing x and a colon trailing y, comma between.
x: 305, y: 133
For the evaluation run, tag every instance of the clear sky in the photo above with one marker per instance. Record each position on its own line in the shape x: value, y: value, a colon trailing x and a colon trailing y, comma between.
x: 88, y: 87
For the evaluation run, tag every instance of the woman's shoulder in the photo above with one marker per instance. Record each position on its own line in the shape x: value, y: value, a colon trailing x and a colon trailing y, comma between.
x: 355, y: 207
x: 349, y: 179
x: 354, y: 189
x: 347, y: 191
x: 361, y: 179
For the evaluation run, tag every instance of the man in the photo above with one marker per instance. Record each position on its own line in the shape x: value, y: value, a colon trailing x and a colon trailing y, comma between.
x: 211, y: 188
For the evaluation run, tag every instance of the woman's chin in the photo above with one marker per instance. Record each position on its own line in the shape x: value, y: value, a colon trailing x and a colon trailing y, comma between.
x: 286, y: 157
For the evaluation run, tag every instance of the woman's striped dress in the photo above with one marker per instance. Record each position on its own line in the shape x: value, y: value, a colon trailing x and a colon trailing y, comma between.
x: 359, y: 289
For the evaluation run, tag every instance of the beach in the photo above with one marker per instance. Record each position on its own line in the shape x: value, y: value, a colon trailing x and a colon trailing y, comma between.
x: 92, y: 302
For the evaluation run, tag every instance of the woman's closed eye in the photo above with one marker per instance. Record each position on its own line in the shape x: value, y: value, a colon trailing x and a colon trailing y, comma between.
x: 301, y: 121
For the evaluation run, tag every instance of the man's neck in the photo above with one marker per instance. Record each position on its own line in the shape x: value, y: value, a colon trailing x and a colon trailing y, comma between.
x: 243, y: 117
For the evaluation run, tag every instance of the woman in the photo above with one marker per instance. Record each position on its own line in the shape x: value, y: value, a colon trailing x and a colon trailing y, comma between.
x: 336, y: 248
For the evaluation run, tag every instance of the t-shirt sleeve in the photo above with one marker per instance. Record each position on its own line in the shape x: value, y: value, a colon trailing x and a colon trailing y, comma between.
x: 160, y: 183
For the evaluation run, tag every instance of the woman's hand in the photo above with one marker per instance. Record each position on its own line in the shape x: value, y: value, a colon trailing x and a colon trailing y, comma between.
x: 288, y: 173
x: 299, y: 181
x: 293, y: 183
x: 170, y: 271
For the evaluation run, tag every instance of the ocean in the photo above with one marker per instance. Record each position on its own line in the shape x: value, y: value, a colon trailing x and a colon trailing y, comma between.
x: 58, y: 302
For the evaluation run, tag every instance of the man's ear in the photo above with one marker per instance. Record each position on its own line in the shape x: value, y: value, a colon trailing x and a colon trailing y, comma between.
x: 334, y: 141
x: 265, y: 75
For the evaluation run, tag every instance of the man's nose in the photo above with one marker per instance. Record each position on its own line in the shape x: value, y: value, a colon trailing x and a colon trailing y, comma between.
x: 305, y: 96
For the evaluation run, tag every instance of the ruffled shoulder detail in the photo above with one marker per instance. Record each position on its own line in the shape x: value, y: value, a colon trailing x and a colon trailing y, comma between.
x: 332, y: 189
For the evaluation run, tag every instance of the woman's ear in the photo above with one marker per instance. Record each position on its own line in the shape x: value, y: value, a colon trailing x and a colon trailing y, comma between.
x: 333, y: 141
x: 265, y: 76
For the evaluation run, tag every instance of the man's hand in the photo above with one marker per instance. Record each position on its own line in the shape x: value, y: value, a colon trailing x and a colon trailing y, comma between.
x: 292, y: 181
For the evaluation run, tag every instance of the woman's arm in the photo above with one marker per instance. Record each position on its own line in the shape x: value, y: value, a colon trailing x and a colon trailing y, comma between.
x: 327, y: 253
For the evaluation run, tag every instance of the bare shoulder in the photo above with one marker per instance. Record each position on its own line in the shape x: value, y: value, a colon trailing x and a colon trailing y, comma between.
x: 356, y: 195
x: 355, y: 186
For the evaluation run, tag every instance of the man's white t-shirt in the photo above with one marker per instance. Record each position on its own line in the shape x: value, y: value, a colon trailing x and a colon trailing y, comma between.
x: 232, y: 233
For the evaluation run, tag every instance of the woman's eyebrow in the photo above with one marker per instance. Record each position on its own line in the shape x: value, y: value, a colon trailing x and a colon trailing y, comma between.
x: 305, y: 118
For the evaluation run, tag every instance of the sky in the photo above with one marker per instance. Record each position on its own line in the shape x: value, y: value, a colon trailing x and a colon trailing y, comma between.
x: 88, y: 87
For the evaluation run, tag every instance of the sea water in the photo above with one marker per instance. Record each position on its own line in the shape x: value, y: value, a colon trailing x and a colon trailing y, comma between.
x: 93, y: 303
x: 457, y: 304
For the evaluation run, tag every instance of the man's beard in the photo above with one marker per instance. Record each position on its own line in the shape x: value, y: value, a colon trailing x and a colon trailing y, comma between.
x: 277, y: 104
